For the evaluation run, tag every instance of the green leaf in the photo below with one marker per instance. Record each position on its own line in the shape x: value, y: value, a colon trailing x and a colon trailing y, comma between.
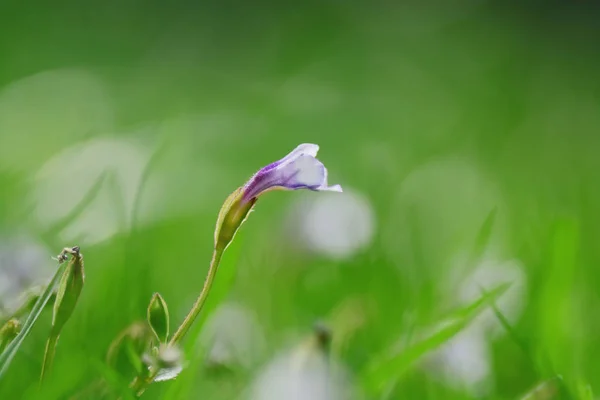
x: 158, y: 317
x: 8, y: 354
x: 388, y: 368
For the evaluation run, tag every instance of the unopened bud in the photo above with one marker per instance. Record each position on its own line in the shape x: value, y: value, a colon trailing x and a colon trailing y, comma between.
x: 69, y: 289
x: 233, y: 213
x: 158, y: 317
x: 8, y: 332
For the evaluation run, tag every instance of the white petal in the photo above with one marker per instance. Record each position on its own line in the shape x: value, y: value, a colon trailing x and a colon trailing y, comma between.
x: 308, y: 149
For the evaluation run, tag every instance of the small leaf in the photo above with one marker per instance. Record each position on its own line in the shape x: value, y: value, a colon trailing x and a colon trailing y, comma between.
x: 158, y: 317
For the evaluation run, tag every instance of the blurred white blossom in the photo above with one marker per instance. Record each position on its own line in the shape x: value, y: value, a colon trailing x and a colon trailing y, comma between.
x: 336, y: 226
x: 490, y: 274
x: 24, y: 264
x: 464, y: 362
x: 302, y: 374
x: 233, y: 336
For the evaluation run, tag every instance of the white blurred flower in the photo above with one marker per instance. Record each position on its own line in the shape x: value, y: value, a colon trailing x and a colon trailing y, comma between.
x: 336, y: 226
x: 24, y: 263
x: 302, y: 374
x: 490, y: 274
x: 464, y: 362
x: 233, y: 336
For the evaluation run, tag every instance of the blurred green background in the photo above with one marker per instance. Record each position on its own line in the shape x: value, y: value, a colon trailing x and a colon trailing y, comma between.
x: 465, y: 135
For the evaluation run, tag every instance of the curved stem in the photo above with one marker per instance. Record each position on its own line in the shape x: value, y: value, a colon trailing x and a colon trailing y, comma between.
x: 49, y: 355
x: 199, y: 303
x: 139, y: 384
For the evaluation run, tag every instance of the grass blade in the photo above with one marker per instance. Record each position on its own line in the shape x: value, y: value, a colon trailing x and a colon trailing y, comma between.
x: 9, y: 352
x: 483, y: 236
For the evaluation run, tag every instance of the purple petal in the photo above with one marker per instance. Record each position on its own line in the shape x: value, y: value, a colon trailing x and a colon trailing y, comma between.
x: 298, y: 170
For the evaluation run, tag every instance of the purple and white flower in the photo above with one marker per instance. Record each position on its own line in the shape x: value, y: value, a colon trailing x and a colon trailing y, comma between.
x: 298, y: 170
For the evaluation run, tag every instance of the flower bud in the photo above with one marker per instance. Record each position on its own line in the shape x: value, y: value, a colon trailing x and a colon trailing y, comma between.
x: 158, y: 317
x: 232, y: 215
x: 69, y: 289
x: 8, y: 332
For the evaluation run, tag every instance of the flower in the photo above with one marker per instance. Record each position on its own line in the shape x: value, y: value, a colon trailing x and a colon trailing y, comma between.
x: 298, y: 170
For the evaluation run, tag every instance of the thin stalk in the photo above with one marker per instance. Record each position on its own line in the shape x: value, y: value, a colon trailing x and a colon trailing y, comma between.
x: 199, y: 303
x: 49, y: 355
x: 139, y: 384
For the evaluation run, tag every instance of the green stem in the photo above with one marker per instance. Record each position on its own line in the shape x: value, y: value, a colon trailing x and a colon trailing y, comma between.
x: 139, y: 384
x: 197, y: 307
x: 49, y: 355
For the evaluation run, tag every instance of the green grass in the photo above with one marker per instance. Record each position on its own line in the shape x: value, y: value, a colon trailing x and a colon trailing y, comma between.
x: 472, y: 130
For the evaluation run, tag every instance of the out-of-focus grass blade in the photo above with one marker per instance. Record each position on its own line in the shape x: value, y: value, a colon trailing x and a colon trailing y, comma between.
x: 483, y: 236
x: 388, y: 368
x: 585, y: 391
x: 80, y: 207
x: 7, y: 356
x: 558, y: 318
x: 488, y: 298
x: 221, y: 286
x: 510, y: 330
